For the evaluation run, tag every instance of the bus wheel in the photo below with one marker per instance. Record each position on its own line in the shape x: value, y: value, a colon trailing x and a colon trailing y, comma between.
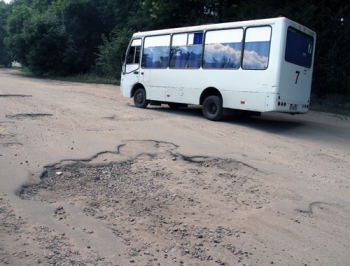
x: 140, y: 98
x: 212, y: 108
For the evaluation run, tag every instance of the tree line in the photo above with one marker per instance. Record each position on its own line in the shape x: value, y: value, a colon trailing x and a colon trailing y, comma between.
x: 67, y: 37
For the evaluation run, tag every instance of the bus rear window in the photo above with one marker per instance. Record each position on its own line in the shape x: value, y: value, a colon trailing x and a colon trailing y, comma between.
x: 299, y: 48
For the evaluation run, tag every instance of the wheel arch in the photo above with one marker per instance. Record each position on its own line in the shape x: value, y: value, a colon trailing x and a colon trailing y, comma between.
x: 208, y: 92
x: 135, y: 88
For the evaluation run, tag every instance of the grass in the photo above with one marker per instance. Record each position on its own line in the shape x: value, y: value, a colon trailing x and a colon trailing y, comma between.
x: 330, y: 109
x: 332, y: 103
x: 81, y: 78
x: 89, y: 78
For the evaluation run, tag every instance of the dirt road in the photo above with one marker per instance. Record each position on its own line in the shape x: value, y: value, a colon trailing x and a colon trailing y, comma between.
x: 88, y: 179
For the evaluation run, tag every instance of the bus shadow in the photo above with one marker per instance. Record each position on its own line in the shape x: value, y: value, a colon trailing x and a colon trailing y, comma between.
x: 270, y: 124
x: 194, y: 111
x: 273, y: 123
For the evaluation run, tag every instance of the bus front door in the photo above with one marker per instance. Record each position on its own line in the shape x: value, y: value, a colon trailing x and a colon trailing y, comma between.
x: 130, y: 68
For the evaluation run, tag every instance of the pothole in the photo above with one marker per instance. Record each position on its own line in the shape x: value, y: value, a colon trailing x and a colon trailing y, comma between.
x: 32, y: 116
x: 158, y: 200
x: 14, y: 95
x: 13, y: 145
x: 7, y: 136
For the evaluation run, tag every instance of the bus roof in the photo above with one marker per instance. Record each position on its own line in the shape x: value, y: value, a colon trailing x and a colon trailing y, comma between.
x: 250, y: 23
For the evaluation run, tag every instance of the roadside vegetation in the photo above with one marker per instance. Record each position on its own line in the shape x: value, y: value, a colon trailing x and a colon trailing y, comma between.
x: 333, y: 109
x: 83, y: 40
x: 90, y: 77
x: 331, y: 103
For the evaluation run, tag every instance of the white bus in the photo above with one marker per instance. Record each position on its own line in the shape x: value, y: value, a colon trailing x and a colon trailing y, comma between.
x: 255, y: 66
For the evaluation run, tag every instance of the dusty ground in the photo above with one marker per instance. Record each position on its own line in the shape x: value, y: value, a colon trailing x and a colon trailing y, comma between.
x: 88, y: 179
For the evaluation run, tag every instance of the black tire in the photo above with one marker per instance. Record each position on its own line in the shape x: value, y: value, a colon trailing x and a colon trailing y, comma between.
x: 140, y: 100
x: 212, y: 108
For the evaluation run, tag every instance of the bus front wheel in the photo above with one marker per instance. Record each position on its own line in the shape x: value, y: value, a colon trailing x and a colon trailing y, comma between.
x: 140, y: 98
x: 212, y: 108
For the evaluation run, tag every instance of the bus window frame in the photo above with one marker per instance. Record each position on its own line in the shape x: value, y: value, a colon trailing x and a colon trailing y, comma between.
x: 143, y: 51
x: 187, y: 41
x: 244, y: 46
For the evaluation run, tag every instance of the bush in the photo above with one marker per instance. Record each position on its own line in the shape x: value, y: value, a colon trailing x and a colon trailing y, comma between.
x: 108, y: 62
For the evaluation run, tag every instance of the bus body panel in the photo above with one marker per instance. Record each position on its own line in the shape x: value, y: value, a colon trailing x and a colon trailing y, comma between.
x: 186, y: 86
x: 283, y: 86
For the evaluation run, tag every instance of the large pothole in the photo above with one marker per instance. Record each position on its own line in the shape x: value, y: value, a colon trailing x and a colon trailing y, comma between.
x: 158, y: 201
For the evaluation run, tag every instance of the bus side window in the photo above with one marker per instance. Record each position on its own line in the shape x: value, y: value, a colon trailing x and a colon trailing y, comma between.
x: 195, y: 42
x: 257, y: 48
x: 186, y: 50
x: 223, y: 48
x: 156, y: 52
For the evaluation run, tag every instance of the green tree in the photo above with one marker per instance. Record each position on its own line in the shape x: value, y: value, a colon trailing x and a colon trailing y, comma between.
x: 332, y: 62
x: 51, y: 49
x: 43, y: 33
x: 5, y: 58
x: 86, y: 21
x: 19, y: 16
x: 108, y: 61
x: 20, y: 2
x: 40, y: 41
x: 162, y: 14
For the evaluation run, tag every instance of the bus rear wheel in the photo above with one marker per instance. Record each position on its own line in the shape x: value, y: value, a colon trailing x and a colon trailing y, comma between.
x: 212, y: 108
x: 140, y: 100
